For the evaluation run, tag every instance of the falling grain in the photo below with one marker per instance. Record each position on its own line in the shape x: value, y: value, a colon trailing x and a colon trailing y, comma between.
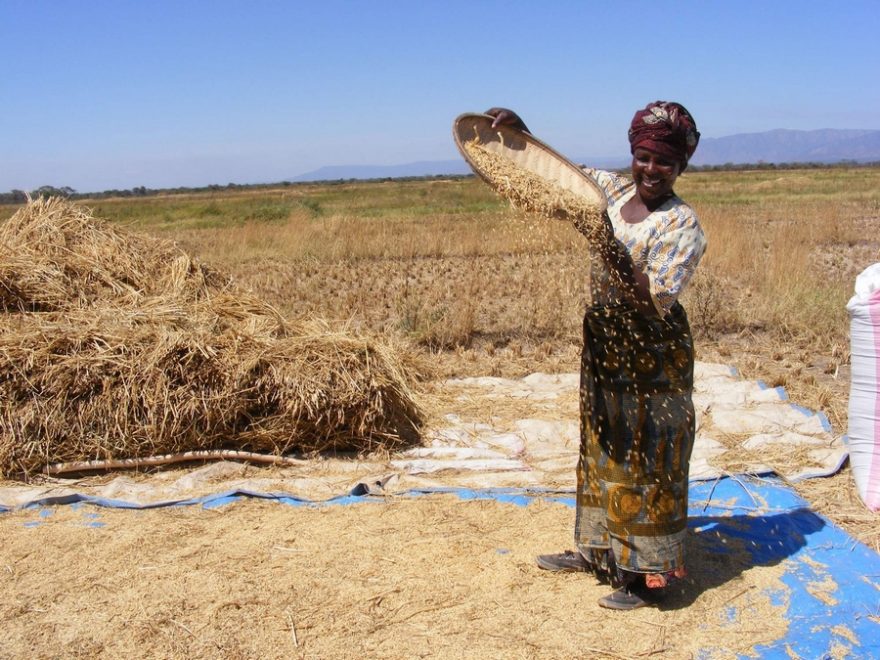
x: 535, y: 194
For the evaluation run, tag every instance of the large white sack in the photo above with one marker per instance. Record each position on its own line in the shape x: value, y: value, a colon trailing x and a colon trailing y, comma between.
x: 864, y: 398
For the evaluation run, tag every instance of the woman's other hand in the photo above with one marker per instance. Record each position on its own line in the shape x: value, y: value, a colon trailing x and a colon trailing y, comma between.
x: 506, y: 117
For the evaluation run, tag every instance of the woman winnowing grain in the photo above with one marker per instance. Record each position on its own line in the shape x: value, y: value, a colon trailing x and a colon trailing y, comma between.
x: 637, y: 415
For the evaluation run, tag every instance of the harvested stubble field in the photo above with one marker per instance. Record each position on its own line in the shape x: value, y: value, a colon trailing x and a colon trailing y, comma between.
x: 483, y: 290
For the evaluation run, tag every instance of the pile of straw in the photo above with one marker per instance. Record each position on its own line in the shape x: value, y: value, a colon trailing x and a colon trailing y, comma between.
x: 117, y: 346
x: 55, y: 256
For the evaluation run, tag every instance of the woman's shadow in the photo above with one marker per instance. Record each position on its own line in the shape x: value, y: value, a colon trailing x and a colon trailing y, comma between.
x: 721, y: 548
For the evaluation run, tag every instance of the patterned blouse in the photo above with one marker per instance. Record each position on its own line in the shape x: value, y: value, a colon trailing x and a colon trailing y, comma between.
x: 667, y: 245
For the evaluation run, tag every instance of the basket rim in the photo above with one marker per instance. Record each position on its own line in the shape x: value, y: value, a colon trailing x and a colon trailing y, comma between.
x: 472, y: 117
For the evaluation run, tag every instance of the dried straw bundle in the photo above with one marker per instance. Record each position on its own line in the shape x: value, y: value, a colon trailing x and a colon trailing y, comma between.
x: 532, y: 193
x: 54, y: 255
x: 122, y: 369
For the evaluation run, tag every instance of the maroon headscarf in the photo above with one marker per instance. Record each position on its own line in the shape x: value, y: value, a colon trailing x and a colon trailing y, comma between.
x: 667, y: 129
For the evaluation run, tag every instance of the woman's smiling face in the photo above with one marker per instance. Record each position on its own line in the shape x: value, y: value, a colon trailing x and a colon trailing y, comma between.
x: 654, y: 175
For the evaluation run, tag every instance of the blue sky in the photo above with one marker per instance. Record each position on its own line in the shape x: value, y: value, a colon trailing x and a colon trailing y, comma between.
x: 103, y: 94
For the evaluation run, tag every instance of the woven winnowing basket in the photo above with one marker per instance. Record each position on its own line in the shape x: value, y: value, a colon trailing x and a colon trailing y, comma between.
x: 526, y: 152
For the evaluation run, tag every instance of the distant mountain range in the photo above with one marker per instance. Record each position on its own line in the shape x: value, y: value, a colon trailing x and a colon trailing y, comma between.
x: 786, y: 146
x: 778, y: 146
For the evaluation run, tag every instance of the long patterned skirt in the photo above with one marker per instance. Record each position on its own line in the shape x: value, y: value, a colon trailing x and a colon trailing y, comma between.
x: 637, y: 433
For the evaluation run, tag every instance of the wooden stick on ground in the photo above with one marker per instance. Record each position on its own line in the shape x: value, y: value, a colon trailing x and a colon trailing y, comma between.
x: 166, y: 459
